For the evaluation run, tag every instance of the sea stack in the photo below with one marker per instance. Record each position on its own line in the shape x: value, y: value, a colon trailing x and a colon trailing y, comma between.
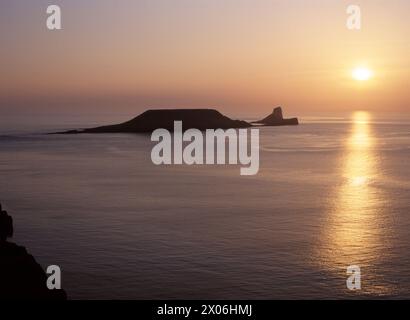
x: 276, y: 119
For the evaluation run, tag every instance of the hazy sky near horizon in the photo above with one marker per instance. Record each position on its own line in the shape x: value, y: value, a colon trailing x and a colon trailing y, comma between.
x: 240, y: 56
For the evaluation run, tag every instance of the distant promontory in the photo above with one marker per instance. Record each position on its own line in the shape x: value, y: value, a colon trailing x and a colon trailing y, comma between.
x: 201, y: 119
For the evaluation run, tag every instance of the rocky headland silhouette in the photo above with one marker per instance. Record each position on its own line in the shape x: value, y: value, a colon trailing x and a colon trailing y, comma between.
x: 201, y: 119
x: 21, y: 277
x: 276, y: 119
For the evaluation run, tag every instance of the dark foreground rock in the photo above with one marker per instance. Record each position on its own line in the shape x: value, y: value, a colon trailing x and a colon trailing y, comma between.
x: 21, y: 277
x: 151, y: 120
x: 276, y: 119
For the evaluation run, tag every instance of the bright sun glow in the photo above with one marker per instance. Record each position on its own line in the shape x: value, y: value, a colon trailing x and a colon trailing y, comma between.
x: 362, y: 74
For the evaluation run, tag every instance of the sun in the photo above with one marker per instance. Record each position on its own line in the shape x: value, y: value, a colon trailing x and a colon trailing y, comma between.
x: 362, y: 74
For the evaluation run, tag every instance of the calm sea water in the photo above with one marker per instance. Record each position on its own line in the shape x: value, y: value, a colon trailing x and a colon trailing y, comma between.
x: 329, y: 194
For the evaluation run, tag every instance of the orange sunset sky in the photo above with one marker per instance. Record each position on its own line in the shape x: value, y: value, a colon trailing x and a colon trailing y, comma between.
x: 240, y: 56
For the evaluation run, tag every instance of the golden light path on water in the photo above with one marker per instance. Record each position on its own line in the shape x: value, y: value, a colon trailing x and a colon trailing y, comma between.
x: 355, y: 229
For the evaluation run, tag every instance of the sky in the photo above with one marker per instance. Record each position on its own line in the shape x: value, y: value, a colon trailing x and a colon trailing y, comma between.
x: 243, y: 57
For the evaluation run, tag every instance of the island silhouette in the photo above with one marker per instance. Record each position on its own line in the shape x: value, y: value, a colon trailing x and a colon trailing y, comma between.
x: 201, y: 119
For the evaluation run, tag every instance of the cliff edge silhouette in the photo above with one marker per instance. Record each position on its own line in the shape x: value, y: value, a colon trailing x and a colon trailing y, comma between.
x: 21, y: 277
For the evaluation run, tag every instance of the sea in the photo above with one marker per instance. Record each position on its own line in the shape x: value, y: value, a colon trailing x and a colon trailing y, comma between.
x: 331, y: 193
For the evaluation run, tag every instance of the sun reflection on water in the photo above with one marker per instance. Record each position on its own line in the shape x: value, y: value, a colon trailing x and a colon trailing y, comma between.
x: 355, y: 228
